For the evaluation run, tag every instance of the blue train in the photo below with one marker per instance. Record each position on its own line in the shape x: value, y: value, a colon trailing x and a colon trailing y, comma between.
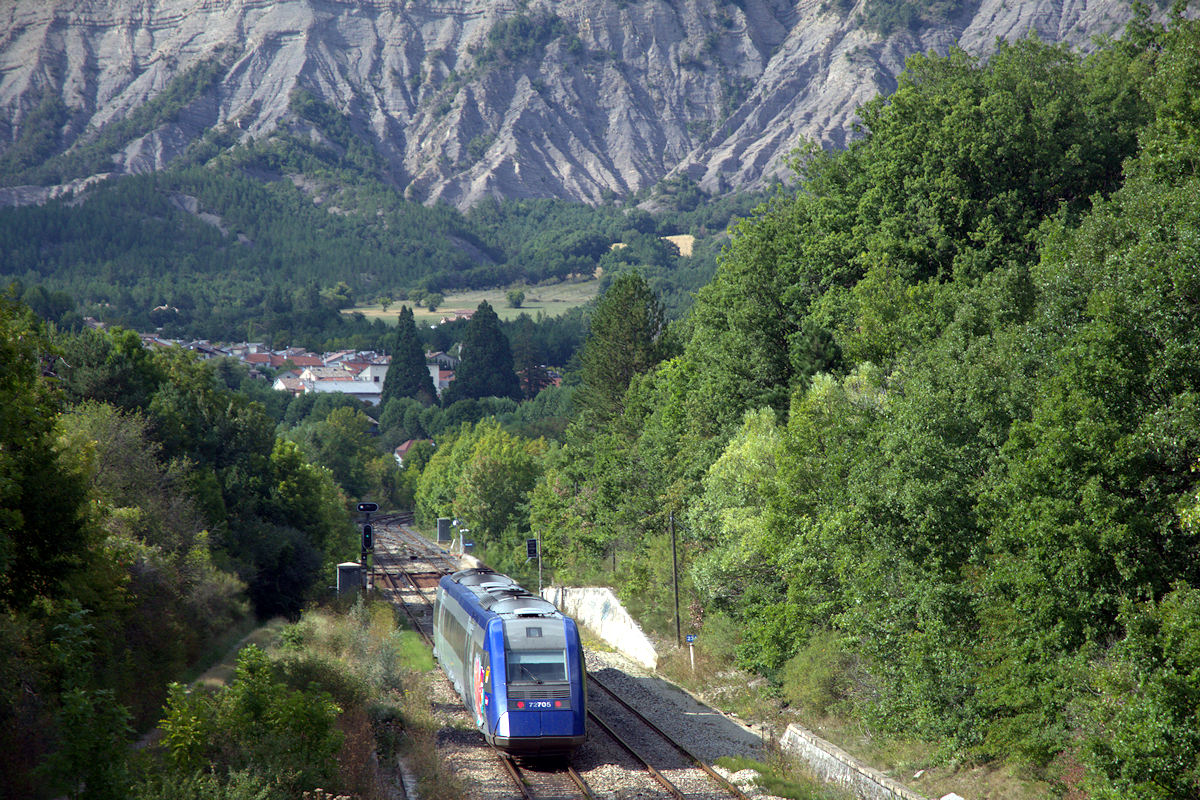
x: 515, y: 660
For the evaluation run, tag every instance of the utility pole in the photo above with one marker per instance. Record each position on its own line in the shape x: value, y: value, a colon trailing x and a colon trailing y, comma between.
x: 675, y: 582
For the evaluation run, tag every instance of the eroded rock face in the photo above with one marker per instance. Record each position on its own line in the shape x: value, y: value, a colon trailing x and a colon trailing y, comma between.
x: 467, y: 99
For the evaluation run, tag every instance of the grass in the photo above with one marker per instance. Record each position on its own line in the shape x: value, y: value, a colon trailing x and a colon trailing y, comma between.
x: 380, y: 673
x: 217, y: 667
x: 552, y: 300
x: 783, y: 778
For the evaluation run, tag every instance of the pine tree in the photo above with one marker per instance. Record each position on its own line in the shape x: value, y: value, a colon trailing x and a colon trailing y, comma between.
x: 486, y: 368
x: 529, y: 357
x: 408, y: 376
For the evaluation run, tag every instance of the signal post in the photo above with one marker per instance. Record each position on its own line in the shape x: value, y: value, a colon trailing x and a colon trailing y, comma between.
x: 368, y: 537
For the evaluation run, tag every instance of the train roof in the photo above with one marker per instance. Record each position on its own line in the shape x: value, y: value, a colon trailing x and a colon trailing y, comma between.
x: 485, y: 592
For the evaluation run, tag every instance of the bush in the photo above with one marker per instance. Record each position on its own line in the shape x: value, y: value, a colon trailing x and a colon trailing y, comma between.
x: 255, y: 724
x: 720, y: 637
x: 816, y: 679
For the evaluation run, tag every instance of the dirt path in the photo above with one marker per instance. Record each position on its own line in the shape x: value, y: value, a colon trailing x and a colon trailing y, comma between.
x: 221, y: 672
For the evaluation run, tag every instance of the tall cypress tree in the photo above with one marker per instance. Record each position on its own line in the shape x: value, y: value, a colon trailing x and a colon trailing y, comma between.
x: 486, y: 368
x: 408, y: 376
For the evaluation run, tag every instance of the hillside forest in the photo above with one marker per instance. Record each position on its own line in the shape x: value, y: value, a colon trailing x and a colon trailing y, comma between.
x: 270, y: 240
x: 928, y: 439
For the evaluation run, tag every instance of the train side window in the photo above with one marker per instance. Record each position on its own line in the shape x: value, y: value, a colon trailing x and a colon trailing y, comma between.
x: 457, y: 635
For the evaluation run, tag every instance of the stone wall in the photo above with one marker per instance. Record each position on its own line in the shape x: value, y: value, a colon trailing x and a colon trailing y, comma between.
x: 834, y: 765
x: 600, y: 611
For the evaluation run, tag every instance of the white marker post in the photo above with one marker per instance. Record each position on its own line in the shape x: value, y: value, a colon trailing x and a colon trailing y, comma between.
x: 691, y: 640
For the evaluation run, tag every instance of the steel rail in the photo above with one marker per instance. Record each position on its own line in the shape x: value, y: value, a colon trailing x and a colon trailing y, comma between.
x: 412, y: 617
x: 654, y: 773
x: 580, y: 782
x: 422, y: 547
x: 716, y: 776
x: 515, y: 774
x: 509, y: 767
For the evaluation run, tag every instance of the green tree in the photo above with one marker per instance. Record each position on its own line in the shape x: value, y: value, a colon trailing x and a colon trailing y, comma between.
x: 407, y: 375
x: 256, y: 724
x: 43, y: 536
x: 496, y: 480
x: 486, y: 369
x: 108, y: 367
x: 91, y: 759
x: 627, y: 338
x: 957, y: 171
x: 1083, y: 511
x: 437, y: 487
x: 529, y: 357
x: 341, y: 443
x: 1142, y: 741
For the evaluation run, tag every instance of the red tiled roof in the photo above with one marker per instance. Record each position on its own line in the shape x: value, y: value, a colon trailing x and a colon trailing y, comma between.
x: 403, y: 448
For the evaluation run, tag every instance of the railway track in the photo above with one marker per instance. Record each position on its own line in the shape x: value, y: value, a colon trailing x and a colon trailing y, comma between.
x: 407, y: 569
x: 645, y: 756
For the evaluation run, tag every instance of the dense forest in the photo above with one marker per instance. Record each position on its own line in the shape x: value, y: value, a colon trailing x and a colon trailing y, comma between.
x: 930, y: 434
x: 929, y: 437
x: 146, y: 510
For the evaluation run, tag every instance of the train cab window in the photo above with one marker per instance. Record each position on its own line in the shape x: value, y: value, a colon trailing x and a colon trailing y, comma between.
x: 537, y: 666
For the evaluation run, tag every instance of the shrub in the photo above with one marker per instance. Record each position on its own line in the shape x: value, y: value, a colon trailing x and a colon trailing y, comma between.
x: 817, y: 678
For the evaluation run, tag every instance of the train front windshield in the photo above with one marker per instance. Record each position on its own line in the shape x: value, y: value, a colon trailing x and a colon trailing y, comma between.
x: 537, y: 666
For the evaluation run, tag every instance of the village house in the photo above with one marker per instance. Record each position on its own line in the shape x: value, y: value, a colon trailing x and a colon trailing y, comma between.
x: 361, y: 380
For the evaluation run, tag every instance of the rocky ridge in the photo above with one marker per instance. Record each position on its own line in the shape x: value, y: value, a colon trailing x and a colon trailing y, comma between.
x: 467, y: 99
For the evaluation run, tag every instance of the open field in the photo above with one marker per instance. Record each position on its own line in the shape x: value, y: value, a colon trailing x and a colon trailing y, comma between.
x: 553, y: 300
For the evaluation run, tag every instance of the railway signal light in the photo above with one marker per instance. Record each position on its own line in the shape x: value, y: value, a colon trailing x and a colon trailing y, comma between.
x: 531, y: 548
x: 366, y: 538
x: 367, y: 508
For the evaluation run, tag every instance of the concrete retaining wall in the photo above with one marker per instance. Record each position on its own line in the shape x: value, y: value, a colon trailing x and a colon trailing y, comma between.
x: 834, y: 765
x: 601, y: 612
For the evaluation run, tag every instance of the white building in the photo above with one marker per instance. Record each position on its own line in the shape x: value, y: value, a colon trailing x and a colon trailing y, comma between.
x: 363, y: 382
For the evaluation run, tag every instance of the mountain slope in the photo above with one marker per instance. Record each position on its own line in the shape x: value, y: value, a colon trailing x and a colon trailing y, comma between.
x: 465, y: 99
